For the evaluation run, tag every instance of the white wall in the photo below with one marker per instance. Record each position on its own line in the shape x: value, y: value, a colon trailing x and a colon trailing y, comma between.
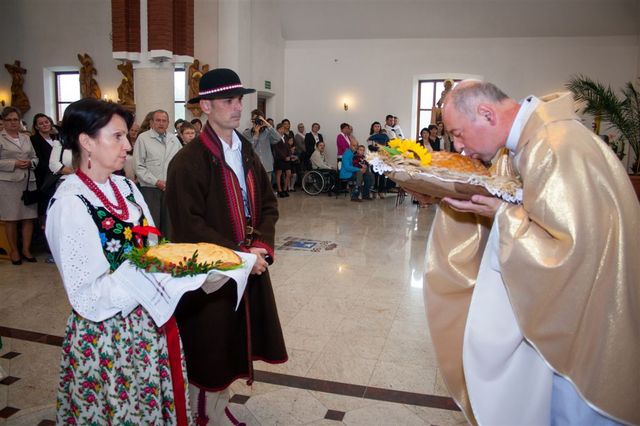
x: 50, y: 33
x: 251, y: 43
x: 205, y: 42
x: 377, y: 76
x: 267, y: 56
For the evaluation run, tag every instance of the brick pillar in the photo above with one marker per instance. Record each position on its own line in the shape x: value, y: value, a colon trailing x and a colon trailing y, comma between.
x: 183, y: 27
x: 125, y: 28
x: 154, y: 35
x: 160, y: 28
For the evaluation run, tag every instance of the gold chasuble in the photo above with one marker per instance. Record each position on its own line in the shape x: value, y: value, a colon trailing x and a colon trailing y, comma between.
x: 570, y: 261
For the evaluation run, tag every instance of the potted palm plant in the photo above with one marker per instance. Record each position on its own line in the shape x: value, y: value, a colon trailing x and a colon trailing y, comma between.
x: 622, y: 114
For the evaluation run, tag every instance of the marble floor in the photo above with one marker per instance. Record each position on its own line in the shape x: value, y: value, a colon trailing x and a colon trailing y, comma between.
x: 352, y: 313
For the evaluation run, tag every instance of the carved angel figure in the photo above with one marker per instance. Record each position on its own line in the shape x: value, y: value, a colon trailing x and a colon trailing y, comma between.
x: 195, y: 74
x: 88, y: 85
x: 19, y: 98
x: 125, y: 89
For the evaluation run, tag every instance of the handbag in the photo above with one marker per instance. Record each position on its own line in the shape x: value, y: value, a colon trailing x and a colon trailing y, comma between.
x: 50, y: 183
x: 30, y: 197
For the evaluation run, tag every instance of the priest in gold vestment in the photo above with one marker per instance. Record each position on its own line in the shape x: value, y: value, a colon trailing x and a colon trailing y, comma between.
x: 534, y: 309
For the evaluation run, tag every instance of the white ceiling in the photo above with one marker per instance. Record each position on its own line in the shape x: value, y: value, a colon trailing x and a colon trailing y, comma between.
x: 389, y: 19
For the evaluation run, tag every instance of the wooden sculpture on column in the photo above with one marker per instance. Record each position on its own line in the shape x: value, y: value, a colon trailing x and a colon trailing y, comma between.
x: 195, y: 74
x: 125, y: 89
x: 88, y: 85
x: 19, y: 99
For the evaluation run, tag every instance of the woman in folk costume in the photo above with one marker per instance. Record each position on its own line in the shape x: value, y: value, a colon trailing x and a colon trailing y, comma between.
x: 219, y: 192
x: 117, y: 366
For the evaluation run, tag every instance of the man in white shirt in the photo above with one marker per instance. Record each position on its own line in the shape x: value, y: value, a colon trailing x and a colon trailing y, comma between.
x: 392, y: 128
x: 152, y: 153
x: 396, y: 127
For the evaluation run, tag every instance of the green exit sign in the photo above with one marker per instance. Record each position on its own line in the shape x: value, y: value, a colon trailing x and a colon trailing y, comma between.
x: 267, y: 84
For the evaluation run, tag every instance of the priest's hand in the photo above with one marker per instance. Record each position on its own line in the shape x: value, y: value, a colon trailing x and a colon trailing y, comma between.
x: 261, y: 263
x: 479, y: 204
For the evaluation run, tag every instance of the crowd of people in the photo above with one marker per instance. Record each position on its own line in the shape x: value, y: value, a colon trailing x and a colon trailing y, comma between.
x: 97, y: 180
x: 42, y: 158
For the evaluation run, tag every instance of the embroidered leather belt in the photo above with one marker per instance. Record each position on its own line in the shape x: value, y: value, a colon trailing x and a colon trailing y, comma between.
x: 248, y: 233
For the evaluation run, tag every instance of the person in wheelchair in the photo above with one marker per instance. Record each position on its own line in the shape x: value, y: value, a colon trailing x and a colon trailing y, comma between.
x: 319, y: 158
x: 322, y: 177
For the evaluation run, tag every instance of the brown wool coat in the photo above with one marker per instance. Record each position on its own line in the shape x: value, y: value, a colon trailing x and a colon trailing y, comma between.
x: 214, y: 336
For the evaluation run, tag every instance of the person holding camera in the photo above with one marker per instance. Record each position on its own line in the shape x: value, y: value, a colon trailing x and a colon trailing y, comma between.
x: 262, y: 136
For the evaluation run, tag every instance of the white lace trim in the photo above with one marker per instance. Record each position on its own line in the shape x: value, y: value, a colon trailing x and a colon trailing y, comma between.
x: 497, y: 186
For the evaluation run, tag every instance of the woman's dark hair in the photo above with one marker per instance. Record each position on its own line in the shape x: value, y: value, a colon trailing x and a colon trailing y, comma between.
x: 8, y: 110
x: 89, y: 116
x: 196, y: 120
x: 343, y: 125
x: 35, y: 121
x: 431, y: 126
x: 373, y: 124
x: 285, y: 120
x: 424, y: 129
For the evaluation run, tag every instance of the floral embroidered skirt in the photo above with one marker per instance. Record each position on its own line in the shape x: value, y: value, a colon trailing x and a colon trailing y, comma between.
x: 116, y: 372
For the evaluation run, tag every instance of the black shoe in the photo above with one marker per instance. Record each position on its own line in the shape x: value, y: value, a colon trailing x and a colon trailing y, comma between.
x: 281, y: 194
x: 17, y: 262
x: 29, y: 259
x: 286, y: 193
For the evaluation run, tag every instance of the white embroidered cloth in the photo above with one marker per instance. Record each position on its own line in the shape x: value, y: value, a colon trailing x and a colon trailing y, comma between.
x: 159, y: 293
x: 497, y: 186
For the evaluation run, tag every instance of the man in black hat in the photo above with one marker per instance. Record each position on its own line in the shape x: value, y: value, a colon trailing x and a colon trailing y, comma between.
x: 219, y: 192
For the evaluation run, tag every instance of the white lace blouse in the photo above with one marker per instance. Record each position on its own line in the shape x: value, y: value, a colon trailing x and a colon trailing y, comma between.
x: 94, y: 292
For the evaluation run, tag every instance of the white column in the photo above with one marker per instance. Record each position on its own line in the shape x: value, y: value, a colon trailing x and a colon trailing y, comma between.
x: 234, y: 46
x: 152, y: 78
x: 154, y: 89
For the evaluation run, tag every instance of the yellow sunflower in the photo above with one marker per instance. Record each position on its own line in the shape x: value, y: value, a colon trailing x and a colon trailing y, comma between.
x: 395, y: 143
x: 412, y: 149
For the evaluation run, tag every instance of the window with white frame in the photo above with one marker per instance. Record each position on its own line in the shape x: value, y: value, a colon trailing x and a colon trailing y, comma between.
x: 429, y: 92
x: 179, y: 93
x: 67, y: 90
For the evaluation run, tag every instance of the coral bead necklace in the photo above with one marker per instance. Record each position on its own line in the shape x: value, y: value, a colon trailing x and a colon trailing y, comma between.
x: 119, y: 210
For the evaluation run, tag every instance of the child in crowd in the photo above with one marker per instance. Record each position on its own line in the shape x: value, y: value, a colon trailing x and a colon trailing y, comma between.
x: 187, y: 132
x: 359, y: 158
x: 294, y: 163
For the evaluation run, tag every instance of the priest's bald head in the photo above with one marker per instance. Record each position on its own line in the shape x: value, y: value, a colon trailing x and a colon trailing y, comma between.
x: 479, y: 116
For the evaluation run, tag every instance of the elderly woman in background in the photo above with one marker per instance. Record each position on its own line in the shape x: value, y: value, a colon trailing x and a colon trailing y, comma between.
x: 115, y: 365
x: 18, y: 161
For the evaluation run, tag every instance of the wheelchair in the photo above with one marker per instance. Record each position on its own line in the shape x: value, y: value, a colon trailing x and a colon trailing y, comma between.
x: 317, y: 181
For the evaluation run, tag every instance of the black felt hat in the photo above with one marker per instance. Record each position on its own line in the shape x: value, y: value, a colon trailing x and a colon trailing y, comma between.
x: 220, y: 83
